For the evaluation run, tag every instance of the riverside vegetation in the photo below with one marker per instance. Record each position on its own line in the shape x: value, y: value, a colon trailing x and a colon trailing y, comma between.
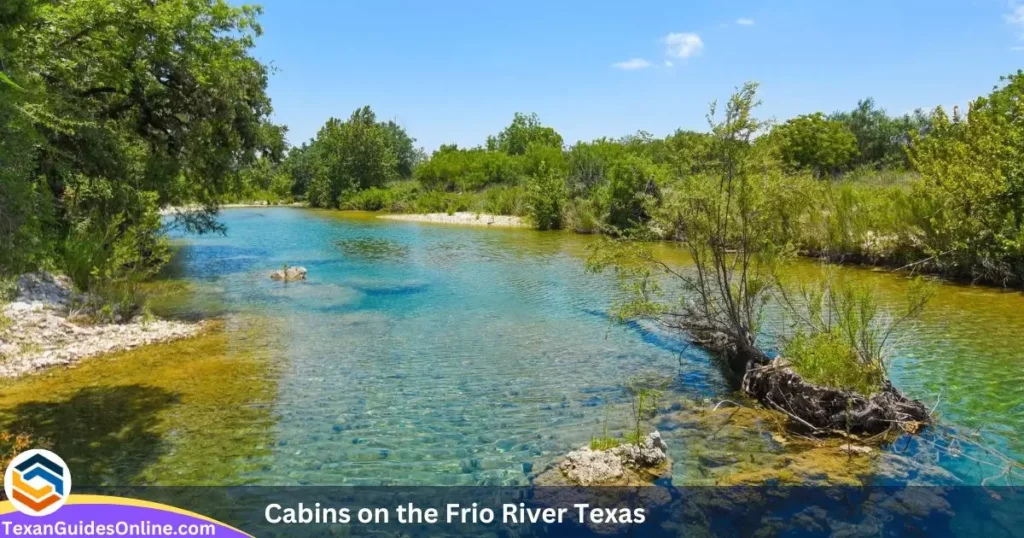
x: 112, y: 110
x: 100, y: 132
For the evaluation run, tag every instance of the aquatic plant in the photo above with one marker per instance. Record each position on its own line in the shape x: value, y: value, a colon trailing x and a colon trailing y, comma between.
x: 373, y: 248
x: 13, y: 444
x: 645, y: 391
x: 153, y: 415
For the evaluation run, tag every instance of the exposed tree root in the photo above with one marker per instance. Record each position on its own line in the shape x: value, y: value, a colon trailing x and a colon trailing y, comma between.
x: 823, y: 410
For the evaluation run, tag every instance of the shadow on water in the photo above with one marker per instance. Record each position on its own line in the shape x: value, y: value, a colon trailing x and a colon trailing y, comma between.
x: 106, y: 434
x: 210, y: 261
x: 694, y: 377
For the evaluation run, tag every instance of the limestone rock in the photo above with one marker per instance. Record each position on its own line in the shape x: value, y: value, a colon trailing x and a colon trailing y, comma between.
x: 45, y: 288
x: 649, y: 454
x: 588, y: 467
x: 626, y: 465
x: 289, y: 274
x: 40, y: 328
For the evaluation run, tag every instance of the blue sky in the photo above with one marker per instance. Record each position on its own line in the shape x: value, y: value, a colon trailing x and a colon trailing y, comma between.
x: 457, y: 71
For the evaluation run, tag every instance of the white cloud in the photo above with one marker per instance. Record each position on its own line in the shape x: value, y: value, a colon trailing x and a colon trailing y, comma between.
x: 683, y: 45
x: 745, y: 22
x: 1017, y: 48
x: 631, y: 64
x: 668, y: 63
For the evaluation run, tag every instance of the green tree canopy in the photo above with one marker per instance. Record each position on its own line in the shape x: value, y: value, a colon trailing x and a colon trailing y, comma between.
x: 881, y: 139
x: 816, y: 143
x: 972, y: 181
x: 521, y: 133
x: 355, y: 154
x: 120, y: 107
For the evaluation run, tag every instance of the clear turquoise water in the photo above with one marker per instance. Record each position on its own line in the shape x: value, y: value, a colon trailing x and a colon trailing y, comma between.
x: 423, y: 354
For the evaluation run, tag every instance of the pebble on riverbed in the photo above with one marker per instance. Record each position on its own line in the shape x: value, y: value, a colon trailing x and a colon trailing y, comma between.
x: 40, y: 333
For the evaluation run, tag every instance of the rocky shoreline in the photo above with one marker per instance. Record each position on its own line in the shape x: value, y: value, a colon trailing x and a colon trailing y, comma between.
x: 462, y: 217
x: 43, y: 328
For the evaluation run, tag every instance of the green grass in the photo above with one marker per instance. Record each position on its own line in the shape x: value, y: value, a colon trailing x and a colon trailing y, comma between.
x: 827, y: 359
x: 604, y: 443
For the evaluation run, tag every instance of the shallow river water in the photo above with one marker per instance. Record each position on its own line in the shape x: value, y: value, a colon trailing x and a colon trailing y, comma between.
x: 429, y: 354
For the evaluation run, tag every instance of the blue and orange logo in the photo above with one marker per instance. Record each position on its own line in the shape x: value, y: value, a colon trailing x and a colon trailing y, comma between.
x: 37, y: 482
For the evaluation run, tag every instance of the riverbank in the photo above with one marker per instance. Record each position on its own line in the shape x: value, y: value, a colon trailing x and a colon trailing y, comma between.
x: 171, y: 210
x: 43, y: 327
x: 464, y: 218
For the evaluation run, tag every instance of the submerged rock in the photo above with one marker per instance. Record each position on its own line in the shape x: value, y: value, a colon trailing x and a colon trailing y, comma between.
x: 289, y: 274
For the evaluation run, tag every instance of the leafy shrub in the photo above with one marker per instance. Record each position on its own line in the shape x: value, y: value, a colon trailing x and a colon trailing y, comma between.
x: 502, y: 200
x: 631, y: 187
x: 582, y: 215
x: 816, y: 143
x: 372, y: 199
x: 546, y: 195
x: 442, y: 202
x: 843, y: 337
x: 452, y: 169
x: 972, y: 179
x: 827, y: 359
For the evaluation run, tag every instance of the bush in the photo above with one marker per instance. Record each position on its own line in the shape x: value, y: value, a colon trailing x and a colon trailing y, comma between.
x: 505, y: 201
x: 442, y: 202
x: 813, y: 142
x: 582, y: 215
x: 450, y: 169
x: 546, y: 195
x: 828, y: 360
x: 843, y: 338
x: 631, y: 187
x: 973, y: 184
x: 372, y: 199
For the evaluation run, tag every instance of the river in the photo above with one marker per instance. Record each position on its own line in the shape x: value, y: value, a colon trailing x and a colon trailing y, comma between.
x: 432, y: 354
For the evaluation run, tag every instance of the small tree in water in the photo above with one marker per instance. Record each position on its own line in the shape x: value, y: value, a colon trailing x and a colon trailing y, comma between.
x: 729, y: 218
x: 733, y: 216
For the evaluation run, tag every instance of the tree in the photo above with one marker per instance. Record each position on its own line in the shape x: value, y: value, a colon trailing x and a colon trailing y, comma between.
x: 972, y: 186
x: 727, y: 218
x: 630, y: 191
x: 881, y: 139
x: 816, y: 143
x: 351, y: 155
x: 127, y: 106
x: 546, y: 198
x: 521, y: 133
x: 300, y: 166
x: 405, y: 152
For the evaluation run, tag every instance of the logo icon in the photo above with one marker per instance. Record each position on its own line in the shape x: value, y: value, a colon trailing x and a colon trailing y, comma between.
x: 37, y: 482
